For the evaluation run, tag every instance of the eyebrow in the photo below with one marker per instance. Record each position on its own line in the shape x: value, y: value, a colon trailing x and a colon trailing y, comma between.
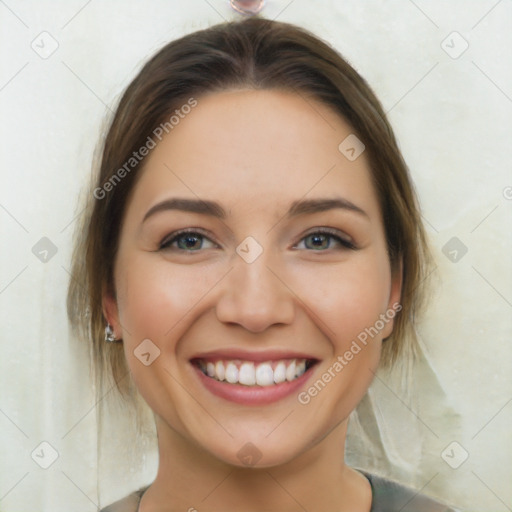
x: 300, y: 207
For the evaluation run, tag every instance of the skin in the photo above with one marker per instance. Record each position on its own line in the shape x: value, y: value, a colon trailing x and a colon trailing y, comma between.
x: 254, y: 152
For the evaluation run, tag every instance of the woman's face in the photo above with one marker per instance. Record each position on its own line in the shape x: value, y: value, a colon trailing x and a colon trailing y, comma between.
x: 282, y: 292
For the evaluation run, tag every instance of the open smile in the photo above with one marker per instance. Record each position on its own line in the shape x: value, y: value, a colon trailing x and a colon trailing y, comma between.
x: 249, y: 373
x: 250, y: 380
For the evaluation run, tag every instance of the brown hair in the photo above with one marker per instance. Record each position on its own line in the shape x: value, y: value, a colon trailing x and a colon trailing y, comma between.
x: 252, y: 53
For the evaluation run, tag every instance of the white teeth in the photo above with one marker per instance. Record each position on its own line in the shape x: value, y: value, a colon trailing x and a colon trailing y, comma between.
x: 290, y: 372
x: 219, y: 370
x: 250, y: 374
x: 232, y: 373
x: 247, y: 375
x: 210, y: 369
x: 280, y: 373
x: 264, y: 375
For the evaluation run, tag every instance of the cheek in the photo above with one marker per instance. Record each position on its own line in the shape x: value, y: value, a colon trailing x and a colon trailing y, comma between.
x: 158, y: 301
x: 348, y: 297
x: 154, y: 296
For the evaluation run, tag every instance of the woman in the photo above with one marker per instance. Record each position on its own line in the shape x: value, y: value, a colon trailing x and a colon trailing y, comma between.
x: 251, y: 253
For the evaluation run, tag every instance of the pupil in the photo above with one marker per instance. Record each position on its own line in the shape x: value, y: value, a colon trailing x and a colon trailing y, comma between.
x: 318, y: 240
x: 190, y: 241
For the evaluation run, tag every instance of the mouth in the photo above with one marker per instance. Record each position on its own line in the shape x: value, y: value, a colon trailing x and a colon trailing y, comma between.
x: 251, y: 373
x: 253, y: 379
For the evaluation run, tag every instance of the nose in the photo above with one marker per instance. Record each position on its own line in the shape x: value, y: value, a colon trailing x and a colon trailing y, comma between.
x: 255, y: 296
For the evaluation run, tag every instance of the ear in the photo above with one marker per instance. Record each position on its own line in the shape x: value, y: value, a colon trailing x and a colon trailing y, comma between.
x: 110, y: 312
x: 395, y: 294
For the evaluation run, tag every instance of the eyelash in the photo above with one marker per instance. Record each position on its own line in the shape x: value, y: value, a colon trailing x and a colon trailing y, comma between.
x: 332, y: 234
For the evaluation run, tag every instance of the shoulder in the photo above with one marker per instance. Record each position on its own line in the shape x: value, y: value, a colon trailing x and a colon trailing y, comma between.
x: 128, y: 504
x: 390, y: 496
x: 387, y: 496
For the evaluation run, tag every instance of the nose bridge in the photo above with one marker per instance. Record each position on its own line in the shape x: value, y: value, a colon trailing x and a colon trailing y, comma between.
x: 252, y: 295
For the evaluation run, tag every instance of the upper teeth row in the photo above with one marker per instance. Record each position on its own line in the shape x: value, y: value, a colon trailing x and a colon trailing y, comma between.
x: 263, y: 374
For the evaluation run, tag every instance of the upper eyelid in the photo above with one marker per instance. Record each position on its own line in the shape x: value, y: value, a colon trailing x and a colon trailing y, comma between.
x: 335, y: 232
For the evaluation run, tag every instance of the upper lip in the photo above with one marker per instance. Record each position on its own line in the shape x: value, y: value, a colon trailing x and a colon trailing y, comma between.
x: 256, y: 356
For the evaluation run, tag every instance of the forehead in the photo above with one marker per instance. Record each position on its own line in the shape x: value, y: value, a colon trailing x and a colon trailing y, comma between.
x: 267, y: 147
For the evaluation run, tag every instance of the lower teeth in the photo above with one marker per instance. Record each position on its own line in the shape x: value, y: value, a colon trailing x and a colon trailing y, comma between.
x: 252, y: 385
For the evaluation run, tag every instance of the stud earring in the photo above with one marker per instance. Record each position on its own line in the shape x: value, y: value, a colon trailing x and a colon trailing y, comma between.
x: 109, y: 334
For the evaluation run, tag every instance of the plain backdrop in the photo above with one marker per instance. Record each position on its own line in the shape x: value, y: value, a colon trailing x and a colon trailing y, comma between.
x: 443, y: 73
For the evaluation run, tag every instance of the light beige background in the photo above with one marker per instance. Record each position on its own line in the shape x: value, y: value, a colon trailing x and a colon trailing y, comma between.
x: 453, y: 116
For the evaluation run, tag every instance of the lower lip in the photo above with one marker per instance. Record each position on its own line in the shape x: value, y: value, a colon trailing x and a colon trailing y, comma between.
x: 252, y: 395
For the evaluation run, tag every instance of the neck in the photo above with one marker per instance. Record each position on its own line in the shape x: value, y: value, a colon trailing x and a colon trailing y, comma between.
x: 190, y: 479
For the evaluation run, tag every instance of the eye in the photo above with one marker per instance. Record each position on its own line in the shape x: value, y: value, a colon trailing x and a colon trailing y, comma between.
x: 323, y: 239
x: 193, y: 240
x: 187, y: 240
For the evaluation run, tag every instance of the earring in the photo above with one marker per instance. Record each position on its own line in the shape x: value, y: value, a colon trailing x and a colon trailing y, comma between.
x: 109, y: 334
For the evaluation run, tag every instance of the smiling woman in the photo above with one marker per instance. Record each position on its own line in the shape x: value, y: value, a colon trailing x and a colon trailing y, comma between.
x: 263, y: 259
